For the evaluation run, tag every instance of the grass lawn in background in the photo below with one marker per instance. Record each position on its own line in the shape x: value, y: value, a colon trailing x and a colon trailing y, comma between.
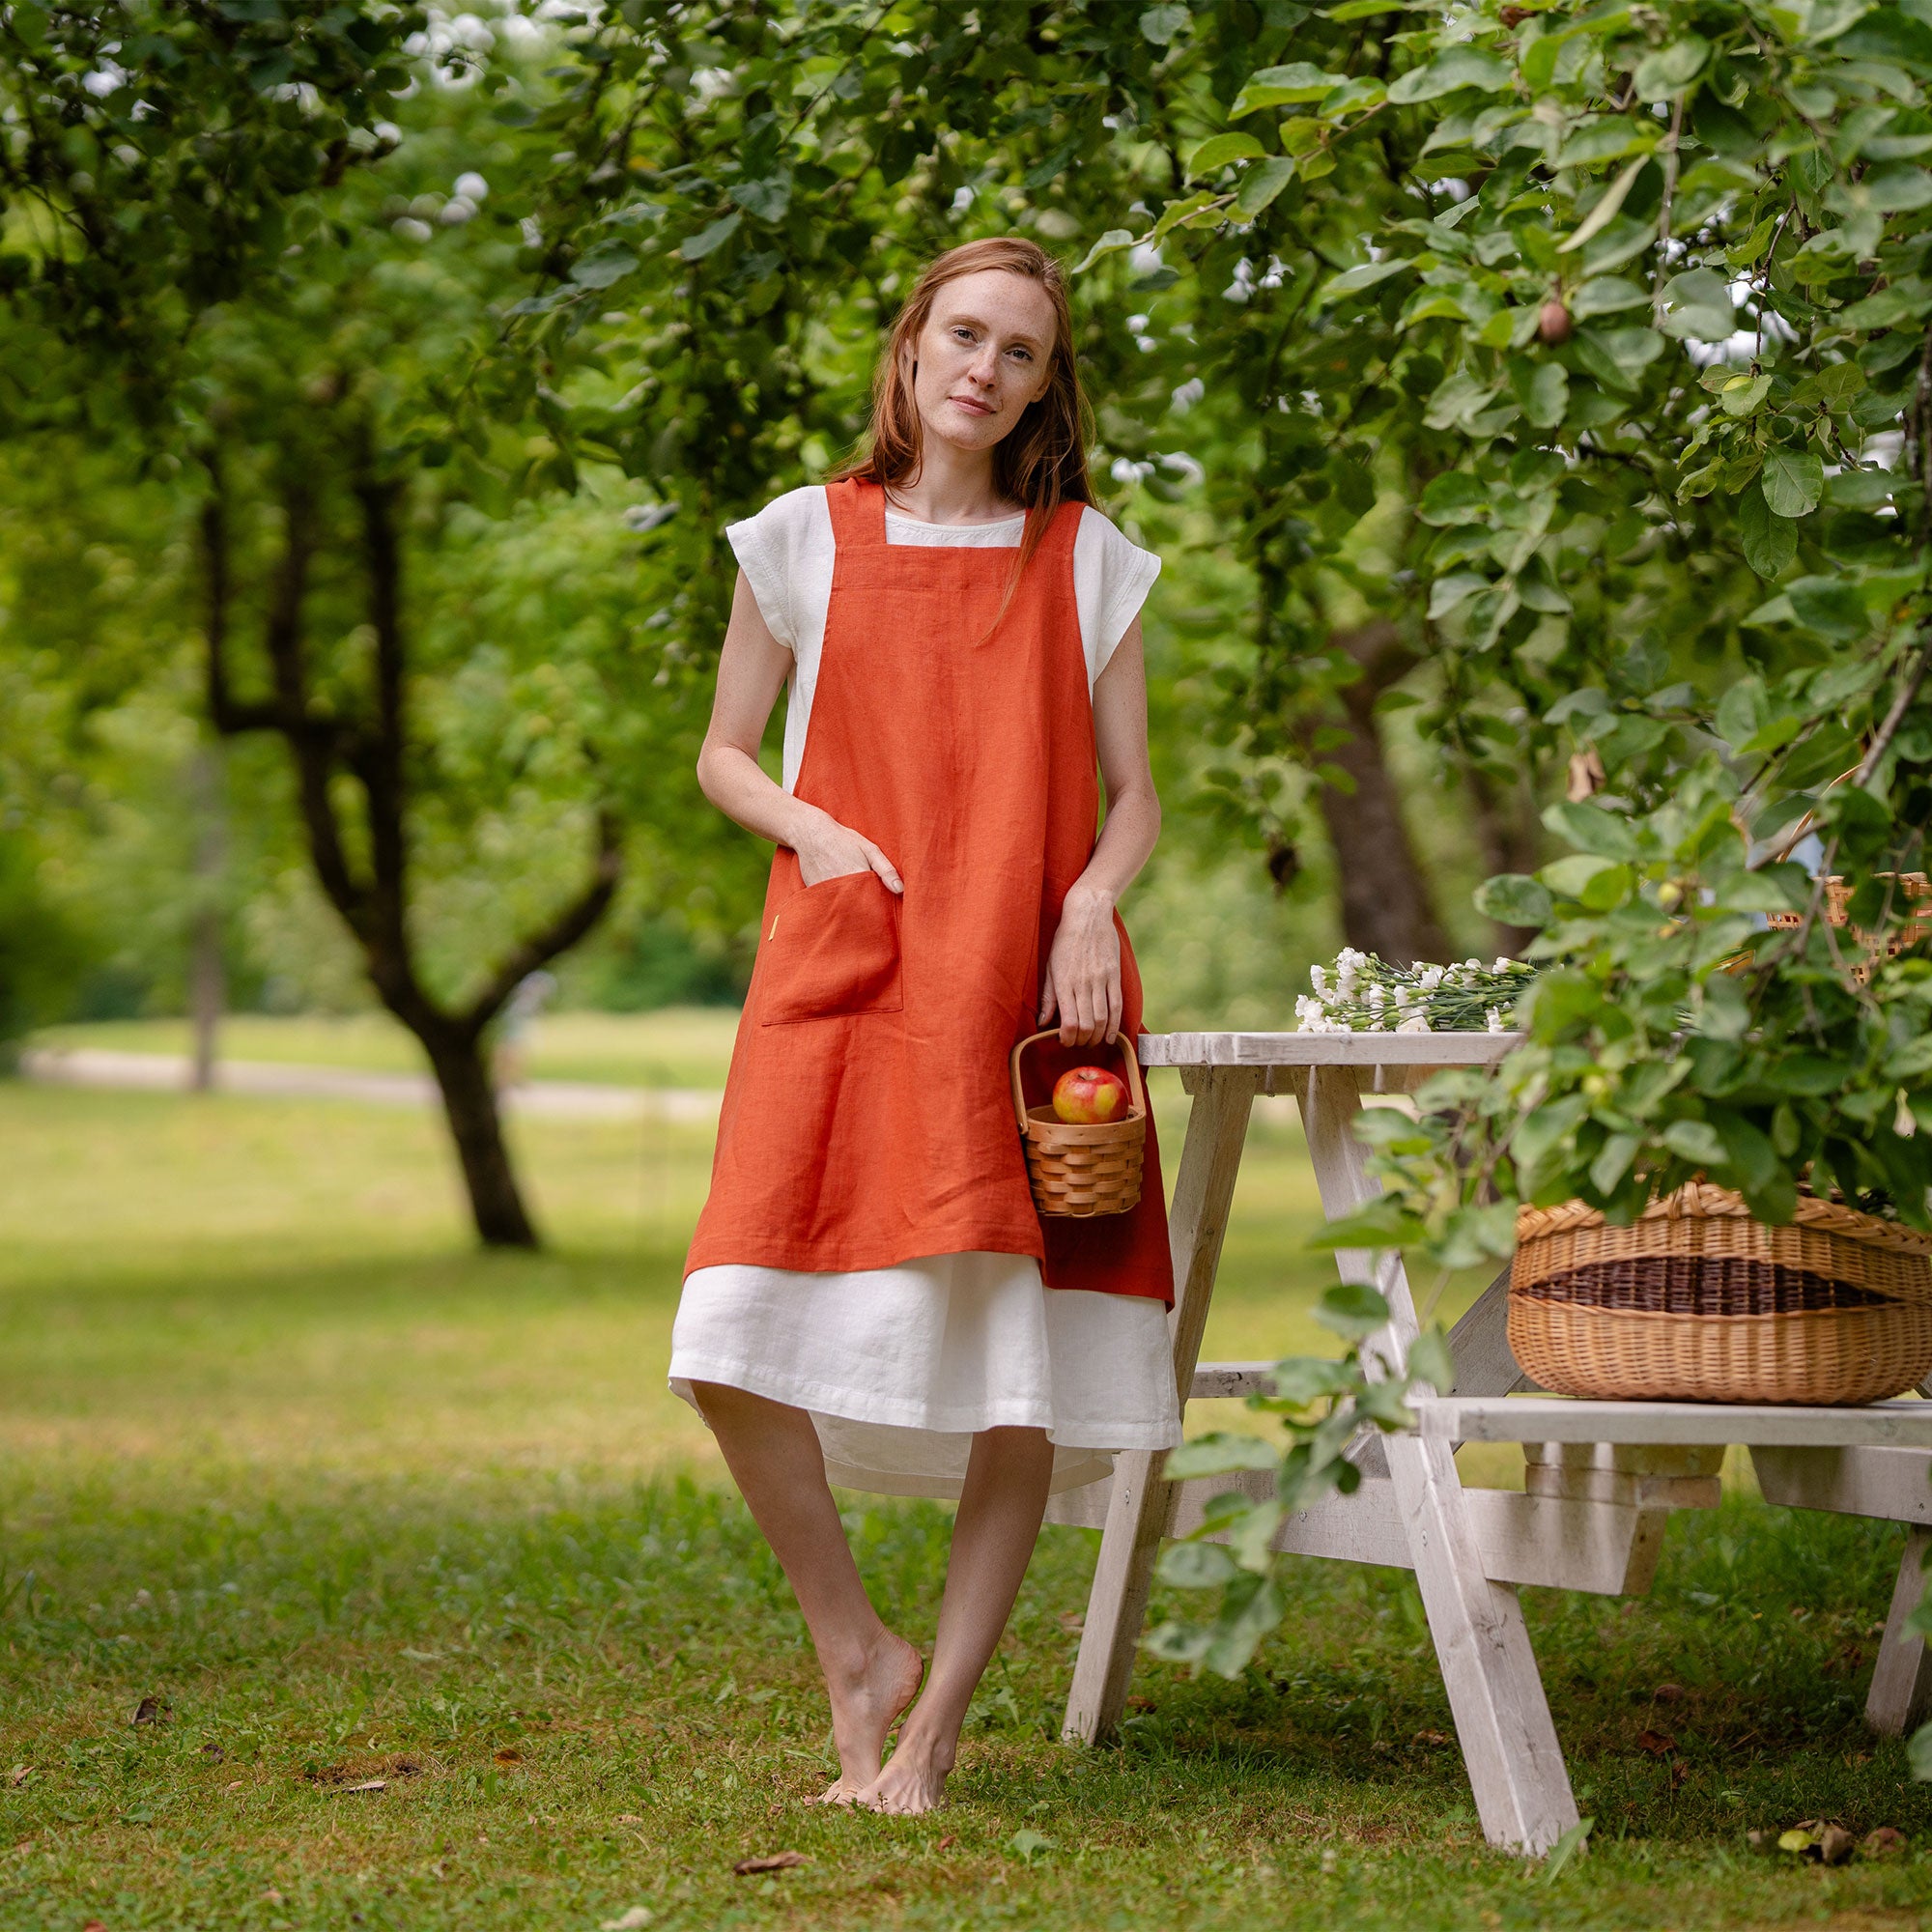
x: 679, y: 1046
x: 335, y: 1499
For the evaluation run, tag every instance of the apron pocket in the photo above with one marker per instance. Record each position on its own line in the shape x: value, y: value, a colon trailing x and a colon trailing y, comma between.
x: 832, y: 950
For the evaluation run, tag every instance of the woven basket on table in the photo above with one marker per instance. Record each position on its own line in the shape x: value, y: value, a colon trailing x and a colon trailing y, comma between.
x: 1081, y: 1170
x: 1698, y: 1302
x: 1912, y: 889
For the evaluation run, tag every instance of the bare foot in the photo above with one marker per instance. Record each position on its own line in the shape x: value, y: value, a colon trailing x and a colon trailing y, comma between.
x: 914, y: 1781
x: 866, y: 1705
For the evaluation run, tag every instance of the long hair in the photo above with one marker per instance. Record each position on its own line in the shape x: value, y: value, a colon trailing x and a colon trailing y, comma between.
x: 1042, y: 461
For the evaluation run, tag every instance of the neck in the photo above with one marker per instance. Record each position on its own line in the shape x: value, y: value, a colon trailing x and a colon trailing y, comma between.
x: 951, y: 486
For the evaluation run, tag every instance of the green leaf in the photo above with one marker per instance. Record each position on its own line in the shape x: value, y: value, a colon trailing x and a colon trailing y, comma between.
x: 1570, y: 876
x: 601, y: 270
x: 708, y: 241
x: 1589, y: 827
x: 1514, y: 898
x: 1605, y: 295
x: 767, y: 200
x: 1299, y: 1380
x: 1352, y: 281
x: 1218, y: 150
x: 1793, y: 481
x: 1829, y: 606
x: 1109, y: 243
x: 1698, y: 304
x: 1548, y: 395
x: 1605, y: 209
x: 1741, y: 711
x: 1695, y: 1141
x: 1447, y: 592
x: 1239, y: 1636
x: 1429, y: 1358
x: 1196, y: 1566
x: 1219, y: 1455
x: 1919, y: 1754
x: 1768, y: 541
x: 1260, y: 184
x: 1382, y: 1224
x: 1613, y: 1161
x: 1894, y: 190
x: 1568, y: 1847
x: 1453, y: 498
x: 1459, y: 68
x: 1160, y: 24
x: 1353, y: 1309
x: 1671, y: 69
x: 1283, y: 86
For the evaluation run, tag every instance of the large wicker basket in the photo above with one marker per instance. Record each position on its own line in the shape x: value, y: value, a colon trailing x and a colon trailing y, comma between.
x: 1913, y: 892
x: 1082, y: 1170
x: 1698, y: 1302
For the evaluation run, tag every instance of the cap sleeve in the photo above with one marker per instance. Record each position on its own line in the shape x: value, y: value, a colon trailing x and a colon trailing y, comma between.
x: 766, y: 547
x: 1111, y: 581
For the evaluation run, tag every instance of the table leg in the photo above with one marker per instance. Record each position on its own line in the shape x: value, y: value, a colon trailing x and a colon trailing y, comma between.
x: 1139, y: 1501
x: 1489, y: 1669
x: 1901, y: 1686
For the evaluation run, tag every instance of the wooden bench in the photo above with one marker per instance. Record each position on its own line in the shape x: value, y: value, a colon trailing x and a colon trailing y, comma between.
x: 1601, y: 1478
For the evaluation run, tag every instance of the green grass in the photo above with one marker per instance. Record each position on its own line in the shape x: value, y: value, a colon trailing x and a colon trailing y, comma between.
x: 676, y: 1046
x: 278, y: 1449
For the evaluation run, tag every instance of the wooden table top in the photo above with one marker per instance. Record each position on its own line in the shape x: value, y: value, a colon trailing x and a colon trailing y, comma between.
x: 1325, y: 1049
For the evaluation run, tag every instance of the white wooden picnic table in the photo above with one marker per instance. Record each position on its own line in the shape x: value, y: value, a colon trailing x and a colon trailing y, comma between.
x: 1601, y: 1478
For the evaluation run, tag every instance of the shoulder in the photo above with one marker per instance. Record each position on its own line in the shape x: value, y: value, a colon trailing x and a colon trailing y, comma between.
x: 1111, y: 550
x: 787, y: 522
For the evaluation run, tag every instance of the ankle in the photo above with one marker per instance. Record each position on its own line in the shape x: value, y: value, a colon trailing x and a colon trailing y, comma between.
x: 853, y: 1659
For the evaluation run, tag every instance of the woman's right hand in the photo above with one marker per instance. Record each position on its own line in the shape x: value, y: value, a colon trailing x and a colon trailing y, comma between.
x: 829, y: 850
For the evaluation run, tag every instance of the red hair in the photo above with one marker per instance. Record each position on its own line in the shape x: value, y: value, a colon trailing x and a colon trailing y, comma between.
x: 1041, y: 462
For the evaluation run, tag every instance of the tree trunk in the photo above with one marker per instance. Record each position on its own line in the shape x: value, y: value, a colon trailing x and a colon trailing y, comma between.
x: 207, y: 978
x: 372, y: 896
x: 459, y: 1061
x: 1387, y: 905
x: 1506, y: 838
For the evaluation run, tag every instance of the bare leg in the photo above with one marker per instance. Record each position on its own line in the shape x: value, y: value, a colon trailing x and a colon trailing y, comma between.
x: 993, y: 1535
x: 870, y: 1675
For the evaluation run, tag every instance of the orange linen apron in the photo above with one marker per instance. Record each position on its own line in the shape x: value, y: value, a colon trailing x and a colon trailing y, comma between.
x: 866, y: 1117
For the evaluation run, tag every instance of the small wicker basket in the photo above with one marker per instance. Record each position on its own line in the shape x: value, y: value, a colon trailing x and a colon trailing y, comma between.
x: 1695, y: 1301
x: 1078, y: 1170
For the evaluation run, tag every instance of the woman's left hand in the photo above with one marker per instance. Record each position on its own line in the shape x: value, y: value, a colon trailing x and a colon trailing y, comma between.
x: 1082, y: 983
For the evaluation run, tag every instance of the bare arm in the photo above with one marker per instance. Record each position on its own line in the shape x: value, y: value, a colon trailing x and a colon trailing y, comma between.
x: 751, y: 671
x: 1082, y: 982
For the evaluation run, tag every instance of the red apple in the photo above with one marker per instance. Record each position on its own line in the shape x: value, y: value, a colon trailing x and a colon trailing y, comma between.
x: 1089, y: 1095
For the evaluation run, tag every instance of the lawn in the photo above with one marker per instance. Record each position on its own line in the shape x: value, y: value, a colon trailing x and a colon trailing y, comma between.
x: 334, y: 1499
x: 679, y: 1046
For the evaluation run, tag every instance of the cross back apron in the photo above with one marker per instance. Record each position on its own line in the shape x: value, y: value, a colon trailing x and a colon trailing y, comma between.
x: 867, y: 1118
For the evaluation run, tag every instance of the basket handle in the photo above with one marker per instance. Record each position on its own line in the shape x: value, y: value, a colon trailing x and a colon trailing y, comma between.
x: 1136, y: 1090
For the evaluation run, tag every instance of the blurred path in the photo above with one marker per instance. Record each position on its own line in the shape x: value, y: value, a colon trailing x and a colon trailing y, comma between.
x: 554, y: 1100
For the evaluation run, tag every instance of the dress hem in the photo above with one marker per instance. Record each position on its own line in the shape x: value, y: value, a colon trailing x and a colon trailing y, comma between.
x: 848, y: 1405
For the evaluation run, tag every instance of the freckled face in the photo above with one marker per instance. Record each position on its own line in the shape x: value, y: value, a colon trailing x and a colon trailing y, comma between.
x: 984, y: 353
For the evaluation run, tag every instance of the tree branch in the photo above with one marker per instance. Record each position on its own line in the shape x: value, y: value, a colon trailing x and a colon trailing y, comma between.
x: 562, y: 934
x: 311, y: 739
x: 228, y: 717
x: 379, y: 763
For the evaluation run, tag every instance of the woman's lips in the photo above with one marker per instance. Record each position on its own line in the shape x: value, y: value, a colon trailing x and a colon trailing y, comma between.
x: 972, y: 403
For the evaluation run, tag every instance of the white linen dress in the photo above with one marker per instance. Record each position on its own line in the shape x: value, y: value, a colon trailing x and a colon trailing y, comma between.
x: 899, y: 1367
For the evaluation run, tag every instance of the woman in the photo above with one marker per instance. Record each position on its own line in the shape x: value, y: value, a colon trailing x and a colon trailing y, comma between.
x: 871, y: 1298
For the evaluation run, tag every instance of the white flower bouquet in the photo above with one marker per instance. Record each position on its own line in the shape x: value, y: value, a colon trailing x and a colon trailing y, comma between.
x: 1361, y: 993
